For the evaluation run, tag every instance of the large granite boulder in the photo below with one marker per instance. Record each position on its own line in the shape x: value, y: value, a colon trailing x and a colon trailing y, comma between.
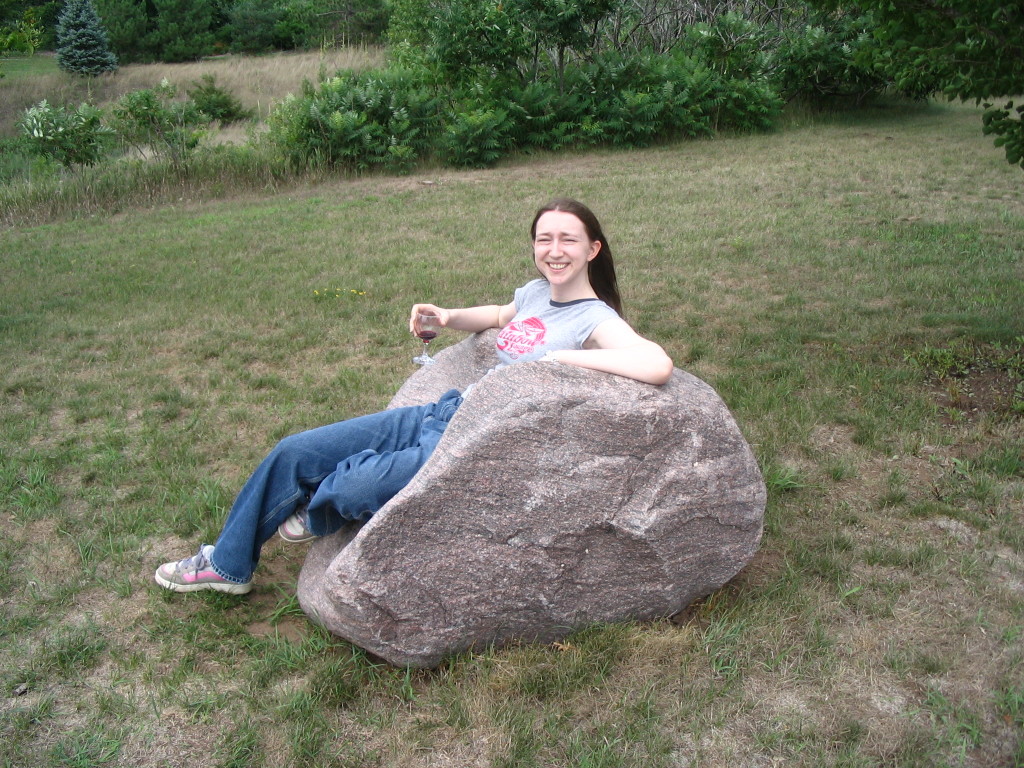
x: 557, y: 498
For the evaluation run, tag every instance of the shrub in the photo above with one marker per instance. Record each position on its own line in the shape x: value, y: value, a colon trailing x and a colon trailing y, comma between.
x: 151, y: 120
x: 70, y: 138
x: 625, y: 97
x: 748, y: 106
x: 408, y: 24
x: 626, y: 101
x: 358, y: 121
x: 732, y: 45
x: 543, y: 118
x: 820, y: 63
x: 467, y: 37
x: 25, y: 37
x: 476, y: 138
x: 397, y: 117
x: 699, y: 97
x: 634, y: 101
x: 217, y: 103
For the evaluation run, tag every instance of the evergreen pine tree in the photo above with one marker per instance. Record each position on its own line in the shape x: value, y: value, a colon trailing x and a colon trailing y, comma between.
x: 82, y: 44
x: 126, y: 23
x: 182, y: 31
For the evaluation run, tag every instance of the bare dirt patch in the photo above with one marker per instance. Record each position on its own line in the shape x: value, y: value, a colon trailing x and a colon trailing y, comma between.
x: 978, y: 392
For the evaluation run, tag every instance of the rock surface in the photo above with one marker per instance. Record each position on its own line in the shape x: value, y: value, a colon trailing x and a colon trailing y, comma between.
x: 557, y: 498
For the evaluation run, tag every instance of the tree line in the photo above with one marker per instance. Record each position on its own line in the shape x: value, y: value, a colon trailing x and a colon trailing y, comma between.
x: 184, y: 30
x: 474, y: 79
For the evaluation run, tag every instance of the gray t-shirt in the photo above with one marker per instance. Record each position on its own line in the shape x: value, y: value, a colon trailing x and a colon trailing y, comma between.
x: 542, y: 325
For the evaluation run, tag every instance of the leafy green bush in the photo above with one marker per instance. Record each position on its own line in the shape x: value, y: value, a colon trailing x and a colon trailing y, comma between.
x: 408, y: 26
x: 625, y: 101
x: 544, y: 118
x: 70, y: 138
x: 476, y: 138
x: 217, y: 103
x: 636, y: 100
x: 822, y: 62
x: 732, y: 45
x: 150, y: 120
x: 358, y: 121
x: 810, y: 63
x: 397, y: 118
x: 748, y: 106
x: 699, y: 96
x: 468, y: 40
x: 467, y: 37
x: 26, y: 36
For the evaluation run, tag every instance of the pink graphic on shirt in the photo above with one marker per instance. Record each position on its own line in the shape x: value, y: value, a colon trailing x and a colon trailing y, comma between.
x: 521, y: 337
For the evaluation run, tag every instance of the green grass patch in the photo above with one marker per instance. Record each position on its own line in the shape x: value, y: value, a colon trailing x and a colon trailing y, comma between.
x: 15, y: 67
x: 850, y: 286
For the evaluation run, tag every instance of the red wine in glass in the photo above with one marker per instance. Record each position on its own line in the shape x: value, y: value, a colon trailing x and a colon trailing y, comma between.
x: 428, y: 327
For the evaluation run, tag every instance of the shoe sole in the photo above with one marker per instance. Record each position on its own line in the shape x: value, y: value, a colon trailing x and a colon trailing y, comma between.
x: 294, y: 539
x: 222, y: 586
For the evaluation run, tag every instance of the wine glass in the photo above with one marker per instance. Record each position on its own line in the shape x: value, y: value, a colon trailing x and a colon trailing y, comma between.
x: 427, y: 324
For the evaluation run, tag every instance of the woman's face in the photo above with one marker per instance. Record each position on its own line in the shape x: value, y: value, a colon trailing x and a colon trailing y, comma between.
x: 562, y: 250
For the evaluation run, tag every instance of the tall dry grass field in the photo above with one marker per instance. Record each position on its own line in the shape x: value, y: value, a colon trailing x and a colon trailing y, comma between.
x: 258, y: 81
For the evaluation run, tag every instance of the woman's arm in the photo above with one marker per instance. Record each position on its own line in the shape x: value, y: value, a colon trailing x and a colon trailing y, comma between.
x: 470, y: 319
x: 614, y: 347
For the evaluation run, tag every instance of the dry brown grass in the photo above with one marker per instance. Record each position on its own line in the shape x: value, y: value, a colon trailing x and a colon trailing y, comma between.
x: 259, y: 82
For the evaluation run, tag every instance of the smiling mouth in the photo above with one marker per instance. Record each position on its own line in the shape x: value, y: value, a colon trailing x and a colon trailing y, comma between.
x: 557, y: 267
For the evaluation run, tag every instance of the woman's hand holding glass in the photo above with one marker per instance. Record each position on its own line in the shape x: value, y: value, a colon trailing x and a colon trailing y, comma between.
x: 425, y: 322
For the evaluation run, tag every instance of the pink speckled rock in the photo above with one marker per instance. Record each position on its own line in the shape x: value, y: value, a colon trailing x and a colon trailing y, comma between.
x: 557, y: 498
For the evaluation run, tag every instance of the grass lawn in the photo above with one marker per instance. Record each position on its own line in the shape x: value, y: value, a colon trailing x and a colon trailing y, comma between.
x: 851, y: 287
x: 17, y: 67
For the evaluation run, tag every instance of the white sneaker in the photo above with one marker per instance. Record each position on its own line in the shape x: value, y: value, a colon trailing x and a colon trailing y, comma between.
x: 294, y: 528
x: 195, y: 573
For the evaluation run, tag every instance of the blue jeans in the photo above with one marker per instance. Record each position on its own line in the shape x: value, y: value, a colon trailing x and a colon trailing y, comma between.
x: 342, y: 472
